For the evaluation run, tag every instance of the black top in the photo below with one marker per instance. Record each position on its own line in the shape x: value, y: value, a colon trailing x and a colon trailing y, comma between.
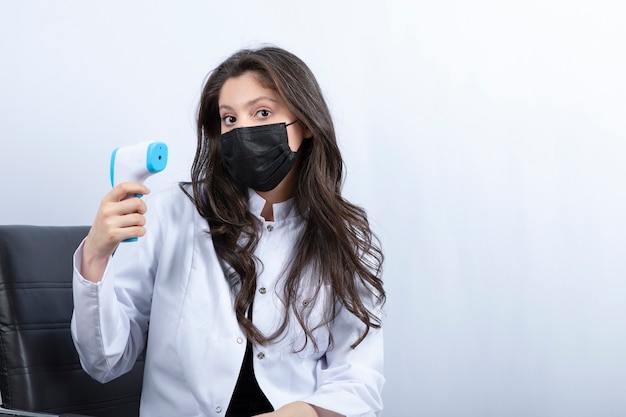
x: 248, y: 399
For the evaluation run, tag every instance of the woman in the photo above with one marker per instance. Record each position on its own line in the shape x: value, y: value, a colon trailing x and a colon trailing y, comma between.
x: 255, y: 288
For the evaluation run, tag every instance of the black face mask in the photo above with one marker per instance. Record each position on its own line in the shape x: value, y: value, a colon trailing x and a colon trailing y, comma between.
x: 259, y: 157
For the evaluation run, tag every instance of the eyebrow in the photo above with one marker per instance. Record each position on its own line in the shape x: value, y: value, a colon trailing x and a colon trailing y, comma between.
x: 251, y: 102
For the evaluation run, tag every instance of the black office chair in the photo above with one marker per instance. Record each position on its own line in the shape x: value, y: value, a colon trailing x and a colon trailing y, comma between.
x: 39, y: 367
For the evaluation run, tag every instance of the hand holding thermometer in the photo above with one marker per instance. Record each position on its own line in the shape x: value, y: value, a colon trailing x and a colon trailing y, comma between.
x: 136, y: 163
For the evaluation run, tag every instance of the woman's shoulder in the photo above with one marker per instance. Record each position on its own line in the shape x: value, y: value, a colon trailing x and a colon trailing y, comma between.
x: 171, y: 201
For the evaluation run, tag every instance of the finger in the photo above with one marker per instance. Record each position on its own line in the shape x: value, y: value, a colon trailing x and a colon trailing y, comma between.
x: 100, y: 244
x: 123, y: 190
x: 116, y: 228
x: 131, y: 205
x: 125, y: 233
x: 110, y: 209
x: 127, y: 220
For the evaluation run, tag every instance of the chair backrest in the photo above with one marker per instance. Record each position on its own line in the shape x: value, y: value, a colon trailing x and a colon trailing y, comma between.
x: 39, y: 367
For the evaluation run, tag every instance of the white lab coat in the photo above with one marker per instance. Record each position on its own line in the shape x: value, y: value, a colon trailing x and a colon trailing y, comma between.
x: 171, y: 283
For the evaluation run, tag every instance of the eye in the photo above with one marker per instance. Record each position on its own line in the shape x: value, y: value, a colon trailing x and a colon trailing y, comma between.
x: 229, y: 120
x: 263, y: 114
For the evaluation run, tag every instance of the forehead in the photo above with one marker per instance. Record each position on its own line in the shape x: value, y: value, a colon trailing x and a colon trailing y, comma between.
x: 245, y: 87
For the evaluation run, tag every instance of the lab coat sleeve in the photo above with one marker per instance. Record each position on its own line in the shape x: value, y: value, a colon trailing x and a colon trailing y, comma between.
x: 351, y: 380
x: 110, y: 318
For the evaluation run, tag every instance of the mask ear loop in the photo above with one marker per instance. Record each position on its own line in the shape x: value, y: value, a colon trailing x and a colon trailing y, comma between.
x: 296, y: 121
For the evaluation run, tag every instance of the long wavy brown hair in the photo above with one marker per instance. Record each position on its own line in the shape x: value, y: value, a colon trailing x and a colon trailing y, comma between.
x: 337, y: 247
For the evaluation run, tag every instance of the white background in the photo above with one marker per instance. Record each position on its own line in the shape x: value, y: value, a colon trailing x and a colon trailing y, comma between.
x: 485, y: 139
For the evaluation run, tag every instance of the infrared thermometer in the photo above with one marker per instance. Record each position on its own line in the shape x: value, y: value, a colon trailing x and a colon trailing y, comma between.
x: 135, y: 163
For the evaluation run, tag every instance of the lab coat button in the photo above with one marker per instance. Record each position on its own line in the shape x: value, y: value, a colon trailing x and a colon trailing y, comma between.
x: 218, y: 409
x: 262, y: 290
x: 240, y: 340
x: 270, y: 227
x: 260, y: 355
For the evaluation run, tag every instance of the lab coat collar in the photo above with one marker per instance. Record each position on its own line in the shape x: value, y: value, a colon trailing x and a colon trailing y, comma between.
x: 282, y: 211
